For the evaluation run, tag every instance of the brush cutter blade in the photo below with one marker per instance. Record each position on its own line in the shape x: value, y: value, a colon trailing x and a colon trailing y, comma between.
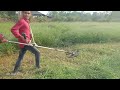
x: 72, y: 54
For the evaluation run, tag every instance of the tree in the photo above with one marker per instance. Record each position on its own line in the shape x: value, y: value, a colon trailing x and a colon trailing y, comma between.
x: 11, y: 13
x: 3, y: 14
x: 115, y: 16
x: 79, y: 16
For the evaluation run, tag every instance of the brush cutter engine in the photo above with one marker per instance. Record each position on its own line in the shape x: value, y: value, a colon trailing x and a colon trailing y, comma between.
x: 2, y: 38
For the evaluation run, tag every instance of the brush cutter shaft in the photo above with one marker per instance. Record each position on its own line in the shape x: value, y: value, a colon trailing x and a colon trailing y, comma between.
x: 71, y: 54
x: 51, y: 48
x: 32, y: 34
x: 18, y: 42
x: 37, y: 46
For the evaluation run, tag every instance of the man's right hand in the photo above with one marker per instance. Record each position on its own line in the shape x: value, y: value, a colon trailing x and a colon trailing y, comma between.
x: 4, y: 40
x: 21, y: 37
x: 26, y: 40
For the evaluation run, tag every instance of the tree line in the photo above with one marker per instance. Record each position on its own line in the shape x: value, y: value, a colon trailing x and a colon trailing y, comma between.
x: 68, y: 16
x: 79, y: 16
x: 8, y: 15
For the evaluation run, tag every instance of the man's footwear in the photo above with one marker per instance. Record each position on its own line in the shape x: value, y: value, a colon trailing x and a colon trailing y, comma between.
x: 37, y: 67
x: 13, y: 74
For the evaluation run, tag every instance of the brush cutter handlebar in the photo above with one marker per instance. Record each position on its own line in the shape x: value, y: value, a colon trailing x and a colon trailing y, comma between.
x: 2, y: 39
x: 37, y: 46
x: 24, y: 35
x: 20, y: 43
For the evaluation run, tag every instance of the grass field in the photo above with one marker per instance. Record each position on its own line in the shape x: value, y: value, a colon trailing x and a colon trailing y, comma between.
x: 98, y: 44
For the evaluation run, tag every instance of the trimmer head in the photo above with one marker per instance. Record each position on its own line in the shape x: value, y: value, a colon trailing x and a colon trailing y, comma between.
x: 72, y: 54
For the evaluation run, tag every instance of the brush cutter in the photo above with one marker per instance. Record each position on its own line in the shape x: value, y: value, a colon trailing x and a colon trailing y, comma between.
x: 70, y: 54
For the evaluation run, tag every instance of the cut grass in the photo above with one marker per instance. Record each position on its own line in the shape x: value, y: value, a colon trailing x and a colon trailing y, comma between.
x: 90, y: 64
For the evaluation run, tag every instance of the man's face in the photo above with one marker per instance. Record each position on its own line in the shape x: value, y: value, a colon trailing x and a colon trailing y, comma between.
x: 27, y: 14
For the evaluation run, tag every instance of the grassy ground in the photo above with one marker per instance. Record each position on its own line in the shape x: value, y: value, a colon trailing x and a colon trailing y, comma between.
x: 98, y: 44
x: 96, y: 61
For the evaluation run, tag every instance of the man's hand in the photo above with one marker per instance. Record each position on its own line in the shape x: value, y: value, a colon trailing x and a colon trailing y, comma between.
x: 4, y: 40
x: 34, y: 44
x: 21, y: 37
x: 25, y: 40
x: 30, y: 44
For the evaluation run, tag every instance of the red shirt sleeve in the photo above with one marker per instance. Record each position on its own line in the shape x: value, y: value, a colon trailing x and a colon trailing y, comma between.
x: 16, y: 27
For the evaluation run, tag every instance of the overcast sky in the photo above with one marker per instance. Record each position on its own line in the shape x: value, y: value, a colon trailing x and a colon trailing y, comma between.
x: 45, y: 12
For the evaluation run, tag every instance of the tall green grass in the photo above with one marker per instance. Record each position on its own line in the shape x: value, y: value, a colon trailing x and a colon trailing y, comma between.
x: 70, y: 33
x: 7, y: 48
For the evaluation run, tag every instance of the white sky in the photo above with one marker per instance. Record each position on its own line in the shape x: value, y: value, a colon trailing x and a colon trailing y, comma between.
x: 45, y: 12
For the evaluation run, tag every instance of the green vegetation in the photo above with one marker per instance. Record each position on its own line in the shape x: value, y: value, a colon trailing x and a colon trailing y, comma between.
x: 64, y: 34
x: 98, y: 44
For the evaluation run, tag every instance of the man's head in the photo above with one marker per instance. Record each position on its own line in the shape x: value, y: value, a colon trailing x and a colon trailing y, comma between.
x: 26, y: 14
